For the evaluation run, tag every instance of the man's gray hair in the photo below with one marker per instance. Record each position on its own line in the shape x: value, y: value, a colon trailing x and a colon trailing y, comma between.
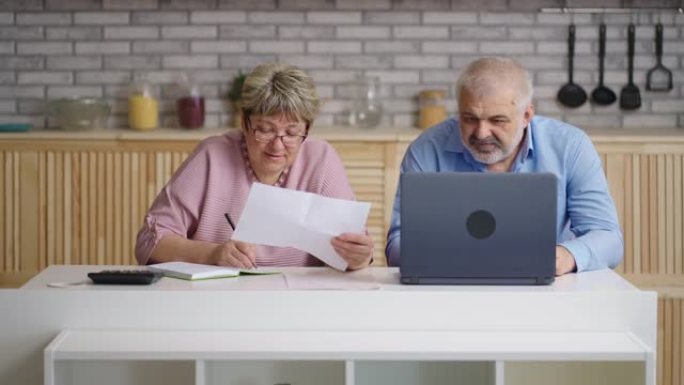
x: 274, y: 88
x: 487, y: 75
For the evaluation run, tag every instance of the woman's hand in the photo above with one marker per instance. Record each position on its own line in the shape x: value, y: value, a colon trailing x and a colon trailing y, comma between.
x: 235, y: 254
x: 356, y: 249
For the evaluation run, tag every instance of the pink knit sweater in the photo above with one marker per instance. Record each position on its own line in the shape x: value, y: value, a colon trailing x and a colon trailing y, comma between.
x: 214, y: 180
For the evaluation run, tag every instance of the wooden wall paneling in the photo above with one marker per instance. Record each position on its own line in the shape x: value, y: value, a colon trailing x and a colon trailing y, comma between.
x: 59, y: 207
x: 15, y: 211
x: 26, y: 217
x: 661, y: 231
x: 42, y: 210
x: 101, y: 199
x: 93, y: 235
x: 85, y: 207
x: 645, y: 217
x: 68, y: 208
x: 135, y: 219
x: 628, y: 221
x: 653, y: 213
x: 394, y: 155
x: 16, y: 242
x: 9, y: 211
x: 365, y: 177
x: 158, y: 173
x: 125, y: 209
x: 167, y: 169
x: 678, y: 211
x: 50, y: 220
x: 176, y: 160
x: 109, y: 205
x: 615, y: 175
x: 142, y: 188
x: 151, y: 178
x: 76, y: 207
x: 636, y: 212
x: 668, y: 220
x: 118, y: 208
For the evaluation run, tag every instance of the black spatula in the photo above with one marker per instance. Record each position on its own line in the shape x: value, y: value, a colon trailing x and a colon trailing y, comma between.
x: 659, y: 78
x: 630, y: 98
x: 602, y: 95
x: 571, y: 94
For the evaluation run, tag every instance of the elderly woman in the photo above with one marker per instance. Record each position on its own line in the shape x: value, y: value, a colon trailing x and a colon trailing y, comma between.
x: 186, y: 221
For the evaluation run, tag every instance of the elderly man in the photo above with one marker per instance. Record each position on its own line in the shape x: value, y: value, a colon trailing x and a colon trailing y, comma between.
x: 497, y: 131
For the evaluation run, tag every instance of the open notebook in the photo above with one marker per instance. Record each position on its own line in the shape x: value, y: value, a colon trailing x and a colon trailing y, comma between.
x: 195, y: 271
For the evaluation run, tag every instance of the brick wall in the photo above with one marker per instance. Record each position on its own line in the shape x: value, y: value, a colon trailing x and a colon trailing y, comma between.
x: 57, y: 48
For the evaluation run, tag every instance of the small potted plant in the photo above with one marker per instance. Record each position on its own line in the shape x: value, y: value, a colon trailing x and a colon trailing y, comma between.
x: 234, y: 95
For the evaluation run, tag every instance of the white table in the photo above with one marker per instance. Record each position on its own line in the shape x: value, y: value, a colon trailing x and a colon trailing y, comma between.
x: 302, y: 327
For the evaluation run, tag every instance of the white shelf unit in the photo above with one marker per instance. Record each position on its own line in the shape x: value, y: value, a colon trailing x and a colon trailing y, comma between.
x: 342, y: 357
x: 181, y: 332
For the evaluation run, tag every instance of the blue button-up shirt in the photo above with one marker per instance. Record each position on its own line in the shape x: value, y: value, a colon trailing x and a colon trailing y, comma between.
x: 586, y: 224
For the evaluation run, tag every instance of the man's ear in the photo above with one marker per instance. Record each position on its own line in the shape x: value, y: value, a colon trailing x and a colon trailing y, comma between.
x: 528, y: 114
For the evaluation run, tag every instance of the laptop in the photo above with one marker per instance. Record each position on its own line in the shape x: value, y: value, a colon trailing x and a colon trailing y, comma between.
x: 478, y: 228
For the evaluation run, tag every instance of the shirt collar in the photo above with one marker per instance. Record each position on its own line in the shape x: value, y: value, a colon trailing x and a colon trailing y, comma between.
x: 528, y: 144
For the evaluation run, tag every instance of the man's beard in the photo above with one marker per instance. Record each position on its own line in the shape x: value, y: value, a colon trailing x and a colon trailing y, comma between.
x: 498, y: 153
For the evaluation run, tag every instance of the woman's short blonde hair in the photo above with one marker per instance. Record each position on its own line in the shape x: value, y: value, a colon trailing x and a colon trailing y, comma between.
x: 274, y: 88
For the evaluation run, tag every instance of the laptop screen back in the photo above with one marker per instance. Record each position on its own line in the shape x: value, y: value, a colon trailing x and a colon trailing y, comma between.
x: 478, y: 228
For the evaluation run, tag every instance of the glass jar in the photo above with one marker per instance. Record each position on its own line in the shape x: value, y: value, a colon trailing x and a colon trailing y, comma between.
x: 190, y: 105
x: 79, y: 113
x: 143, y: 107
x: 366, y: 108
x: 432, y: 108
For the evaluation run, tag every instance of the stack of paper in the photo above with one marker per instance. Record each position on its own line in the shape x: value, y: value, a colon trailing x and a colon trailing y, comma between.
x: 280, y: 217
x: 195, y: 271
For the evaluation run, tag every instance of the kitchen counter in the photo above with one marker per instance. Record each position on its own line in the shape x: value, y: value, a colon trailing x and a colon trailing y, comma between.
x: 176, y: 134
x: 402, y: 134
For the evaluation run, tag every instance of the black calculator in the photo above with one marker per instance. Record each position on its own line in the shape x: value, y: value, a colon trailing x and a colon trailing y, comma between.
x: 125, y: 277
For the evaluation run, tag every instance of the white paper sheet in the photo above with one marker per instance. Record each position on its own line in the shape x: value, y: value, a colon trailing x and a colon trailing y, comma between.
x: 281, y: 217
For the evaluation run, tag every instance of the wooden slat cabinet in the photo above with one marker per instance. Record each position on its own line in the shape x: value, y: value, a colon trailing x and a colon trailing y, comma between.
x: 646, y: 182
x: 80, y: 198
x: 70, y: 200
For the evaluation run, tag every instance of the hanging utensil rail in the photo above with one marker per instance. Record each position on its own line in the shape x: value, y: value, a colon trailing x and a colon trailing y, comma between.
x: 679, y: 10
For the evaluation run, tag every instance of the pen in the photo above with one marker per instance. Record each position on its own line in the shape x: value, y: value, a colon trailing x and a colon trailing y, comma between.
x: 232, y: 226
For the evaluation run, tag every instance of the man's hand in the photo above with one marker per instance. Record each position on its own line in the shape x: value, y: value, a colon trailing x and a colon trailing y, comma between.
x: 356, y: 249
x: 565, y: 262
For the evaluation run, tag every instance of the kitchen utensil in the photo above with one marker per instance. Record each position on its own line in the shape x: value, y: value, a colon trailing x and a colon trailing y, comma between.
x: 79, y: 113
x: 602, y: 95
x: 659, y: 78
x: 571, y: 94
x: 630, y: 97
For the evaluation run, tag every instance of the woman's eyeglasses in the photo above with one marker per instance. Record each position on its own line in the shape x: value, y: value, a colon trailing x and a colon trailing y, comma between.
x: 267, y: 136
